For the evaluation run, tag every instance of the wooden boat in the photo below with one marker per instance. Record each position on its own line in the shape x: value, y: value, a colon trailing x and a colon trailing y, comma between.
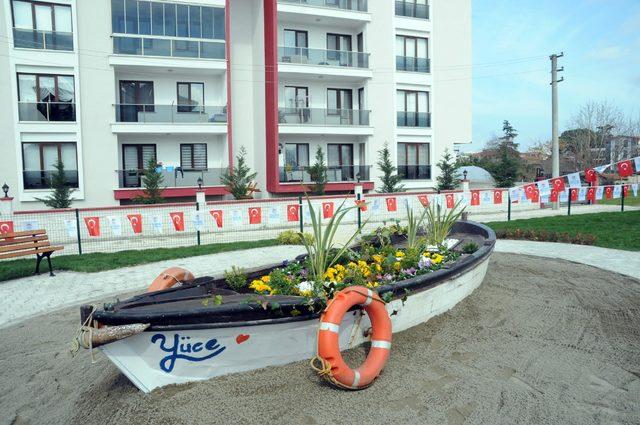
x: 186, y: 333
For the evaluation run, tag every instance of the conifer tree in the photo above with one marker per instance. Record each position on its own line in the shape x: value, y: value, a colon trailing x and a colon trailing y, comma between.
x: 238, y: 178
x: 152, y: 183
x: 390, y: 178
x: 61, y: 195
x: 448, y: 178
x: 318, y: 173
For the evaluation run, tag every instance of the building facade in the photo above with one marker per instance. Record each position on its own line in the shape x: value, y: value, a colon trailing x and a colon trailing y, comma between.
x: 107, y: 86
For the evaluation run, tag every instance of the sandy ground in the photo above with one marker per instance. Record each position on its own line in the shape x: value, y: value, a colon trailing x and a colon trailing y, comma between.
x: 541, y: 341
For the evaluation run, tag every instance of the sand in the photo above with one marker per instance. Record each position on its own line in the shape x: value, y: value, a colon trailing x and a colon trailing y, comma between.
x: 541, y: 341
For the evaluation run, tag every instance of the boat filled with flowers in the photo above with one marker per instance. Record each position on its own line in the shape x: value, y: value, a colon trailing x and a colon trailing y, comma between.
x: 197, y: 328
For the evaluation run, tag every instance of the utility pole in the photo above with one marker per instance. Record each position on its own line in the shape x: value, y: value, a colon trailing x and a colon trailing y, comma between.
x: 555, y: 151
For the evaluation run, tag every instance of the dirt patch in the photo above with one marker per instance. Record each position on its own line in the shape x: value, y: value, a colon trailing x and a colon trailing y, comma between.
x: 539, y: 341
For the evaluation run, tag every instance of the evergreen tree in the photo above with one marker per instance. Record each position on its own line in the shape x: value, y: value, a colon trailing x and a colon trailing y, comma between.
x: 505, y: 163
x: 448, y: 178
x: 237, y: 180
x: 61, y: 195
x: 152, y: 183
x: 390, y: 178
x: 318, y: 173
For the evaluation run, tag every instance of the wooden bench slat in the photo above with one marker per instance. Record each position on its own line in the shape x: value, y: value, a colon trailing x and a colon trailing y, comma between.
x: 30, y: 252
x: 25, y: 233
x: 23, y: 239
x: 23, y: 246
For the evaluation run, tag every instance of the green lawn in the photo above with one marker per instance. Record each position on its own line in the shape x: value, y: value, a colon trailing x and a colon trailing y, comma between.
x: 619, y: 230
x: 631, y: 201
x: 97, y: 262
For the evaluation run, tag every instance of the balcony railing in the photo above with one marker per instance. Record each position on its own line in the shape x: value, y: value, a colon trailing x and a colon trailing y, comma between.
x: 414, y: 172
x: 414, y: 119
x: 411, y: 64
x: 170, y: 114
x: 308, y: 56
x: 411, y: 9
x: 46, y: 111
x: 335, y: 173
x: 319, y: 116
x: 42, y: 179
x: 353, y: 5
x: 153, y: 46
x: 177, y: 177
x: 43, y: 40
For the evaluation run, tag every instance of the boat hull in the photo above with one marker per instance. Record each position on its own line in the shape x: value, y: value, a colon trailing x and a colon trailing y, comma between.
x: 158, y: 358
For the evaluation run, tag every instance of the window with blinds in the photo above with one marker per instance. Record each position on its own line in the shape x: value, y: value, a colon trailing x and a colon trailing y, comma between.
x: 193, y: 156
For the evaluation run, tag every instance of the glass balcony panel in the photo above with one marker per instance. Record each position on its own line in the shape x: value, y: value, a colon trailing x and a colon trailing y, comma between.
x: 156, y: 47
x: 44, y: 40
x: 304, y: 55
x: 34, y: 180
x: 414, y: 172
x: 411, y: 9
x: 177, y: 177
x: 150, y: 46
x: 127, y: 45
x: 212, y: 50
x: 413, y: 64
x: 335, y: 173
x: 185, y: 49
x: 46, y: 111
x: 353, y: 5
x: 413, y: 119
x: 319, y: 116
x: 170, y: 114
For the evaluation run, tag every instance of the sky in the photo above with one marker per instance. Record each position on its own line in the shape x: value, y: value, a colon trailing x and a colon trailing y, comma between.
x: 512, y: 41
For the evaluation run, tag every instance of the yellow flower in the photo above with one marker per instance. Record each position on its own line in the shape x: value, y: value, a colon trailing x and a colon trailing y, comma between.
x: 260, y: 286
x: 396, y: 266
x: 266, y: 279
x: 340, y: 268
x: 378, y: 268
x: 352, y: 264
x: 399, y: 254
x: 437, y: 259
x: 378, y: 258
x: 330, y: 274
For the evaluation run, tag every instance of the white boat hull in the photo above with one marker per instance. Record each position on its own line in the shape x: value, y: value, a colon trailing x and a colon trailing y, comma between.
x: 153, y: 359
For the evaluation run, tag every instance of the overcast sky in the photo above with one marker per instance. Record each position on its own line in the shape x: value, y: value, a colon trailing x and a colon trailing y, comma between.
x: 512, y: 41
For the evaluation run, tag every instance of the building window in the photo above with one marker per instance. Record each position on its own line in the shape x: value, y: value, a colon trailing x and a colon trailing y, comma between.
x: 193, y: 156
x: 39, y: 160
x: 135, y: 159
x: 413, y: 108
x: 297, y: 155
x: 339, y: 50
x: 170, y: 20
x: 190, y: 97
x: 339, y: 99
x: 44, y: 97
x: 340, y: 162
x: 39, y: 25
x: 136, y: 99
x: 412, y: 8
x: 413, y: 161
x: 412, y: 54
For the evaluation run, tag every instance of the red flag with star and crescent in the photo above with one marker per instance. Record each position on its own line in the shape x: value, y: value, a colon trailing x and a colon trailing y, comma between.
x: 530, y: 190
x: 136, y: 222
x: 535, y: 196
x: 475, y: 198
x: 177, y: 218
x: 423, y: 200
x: 553, y: 197
x: 557, y: 184
x: 392, y: 205
x: 450, y: 200
x: 293, y: 212
x: 625, y: 168
x: 362, y: 204
x: 590, y: 175
x: 6, y: 227
x: 497, y: 196
x: 625, y: 190
x: 327, y: 209
x: 93, y: 225
x: 608, y: 192
x: 255, y: 215
x: 591, y: 193
x: 217, y: 217
x: 574, y: 194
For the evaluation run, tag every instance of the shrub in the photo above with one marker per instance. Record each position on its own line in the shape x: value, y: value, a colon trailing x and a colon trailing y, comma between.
x: 469, y: 248
x: 236, y: 278
x: 543, y: 235
x: 291, y: 237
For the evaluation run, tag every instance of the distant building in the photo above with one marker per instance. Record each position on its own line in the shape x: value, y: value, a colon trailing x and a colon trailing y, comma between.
x: 622, y: 147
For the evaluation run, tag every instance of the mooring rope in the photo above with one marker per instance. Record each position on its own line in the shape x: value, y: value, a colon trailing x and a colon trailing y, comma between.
x: 78, y: 336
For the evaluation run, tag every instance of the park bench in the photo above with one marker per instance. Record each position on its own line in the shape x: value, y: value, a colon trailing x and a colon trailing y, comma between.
x: 32, y: 242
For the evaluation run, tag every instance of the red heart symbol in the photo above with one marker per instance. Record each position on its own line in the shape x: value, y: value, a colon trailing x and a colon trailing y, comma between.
x: 241, y: 338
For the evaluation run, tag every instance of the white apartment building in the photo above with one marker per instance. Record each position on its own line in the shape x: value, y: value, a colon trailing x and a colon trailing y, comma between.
x: 107, y: 85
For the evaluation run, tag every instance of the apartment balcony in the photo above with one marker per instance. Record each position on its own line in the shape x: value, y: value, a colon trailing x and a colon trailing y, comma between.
x: 414, y: 119
x: 411, y: 9
x: 335, y: 174
x: 41, y: 179
x: 413, y: 64
x: 345, y: 13
x: 178, y: 182
x: 414, y: 172
x: 42, y: 40
x: 324, y: 121
x: 351, y: 5
x: 294, y: 61
x: 134, y: 118
x: 46, y: 111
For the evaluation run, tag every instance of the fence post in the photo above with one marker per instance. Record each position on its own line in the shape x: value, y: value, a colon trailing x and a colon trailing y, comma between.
x: 569, y: 202
x: 358, y: 196
x: 508, y: 205
x: 622, y: 200
x: 78, y: 232
x: 198, y: 231
x: 300, y: 214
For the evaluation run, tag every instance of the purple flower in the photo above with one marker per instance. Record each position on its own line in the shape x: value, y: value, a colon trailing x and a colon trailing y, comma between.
x: 424, y: 263
x: 303, y: 273
x: 388, y: 277
x: 411, y: 271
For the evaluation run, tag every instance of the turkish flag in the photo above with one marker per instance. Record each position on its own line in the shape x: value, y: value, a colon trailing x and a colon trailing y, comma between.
x: 6, y: 227
x: 177, y: 218
x: 590, y: 175
x: 553, y: 197
x: 475, y: 197
x: 497, y: 196
x: 362, y: 204
x: 327, y: 209
x: 255, y: 215
x: 392, y: 206
x: 293, y: 212
x: 574, y: 194
x: 450, y: 200
x: 530, y: 190
x: 423, y: 200
x: 535, y: 196
x: 93, y: 225
x: 625, y: 190
x: 136, y: 222
x: 591, y: 193
x: 625, y: 168
x: 557, y: 184
x: 217, y: 217
x: 608, y: 192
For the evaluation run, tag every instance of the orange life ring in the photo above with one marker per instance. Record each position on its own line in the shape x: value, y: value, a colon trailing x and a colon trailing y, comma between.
x: 334, y: 368
x: 169, y: 278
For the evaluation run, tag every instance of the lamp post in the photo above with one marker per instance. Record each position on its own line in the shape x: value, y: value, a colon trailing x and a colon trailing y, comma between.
x: 199, y: 181
x: 5, y: 189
